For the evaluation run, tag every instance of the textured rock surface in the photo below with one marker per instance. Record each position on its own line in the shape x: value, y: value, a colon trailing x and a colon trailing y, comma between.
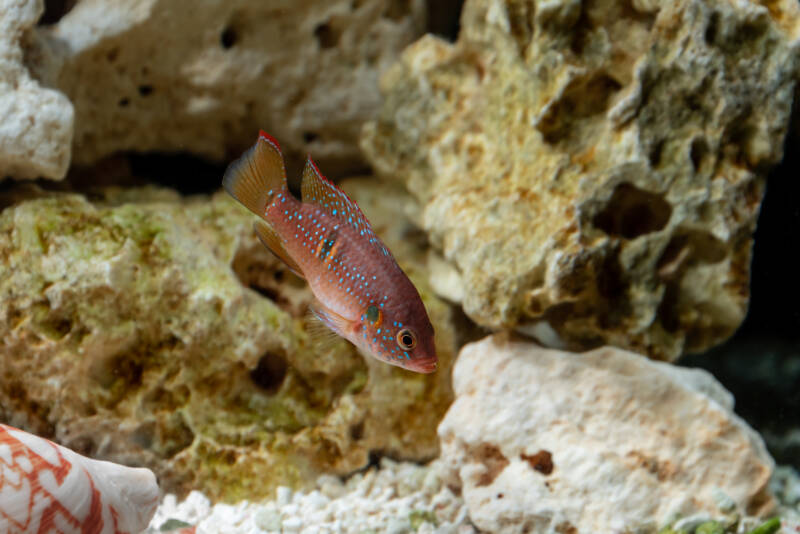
x: 540, y: 440
x: 181, y: 76
x: 35, y: 122
x: 126, y: 334
x: 594, y: 169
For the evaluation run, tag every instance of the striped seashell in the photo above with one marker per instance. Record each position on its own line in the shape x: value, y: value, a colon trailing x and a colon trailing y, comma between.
x: 47, y: 488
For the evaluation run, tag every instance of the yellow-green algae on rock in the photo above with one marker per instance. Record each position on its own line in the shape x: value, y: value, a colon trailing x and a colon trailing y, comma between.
x: 125, y: 333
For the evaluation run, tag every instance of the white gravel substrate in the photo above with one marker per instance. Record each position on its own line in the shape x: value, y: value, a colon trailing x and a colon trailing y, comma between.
x: 398, y: 498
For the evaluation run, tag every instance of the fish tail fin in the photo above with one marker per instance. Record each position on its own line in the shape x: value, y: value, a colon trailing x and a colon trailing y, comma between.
x: 258, y: 175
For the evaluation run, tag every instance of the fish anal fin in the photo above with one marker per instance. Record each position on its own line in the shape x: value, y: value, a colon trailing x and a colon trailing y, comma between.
x: 270, y: 239
x: 257, y: 176
x: 334, y: 321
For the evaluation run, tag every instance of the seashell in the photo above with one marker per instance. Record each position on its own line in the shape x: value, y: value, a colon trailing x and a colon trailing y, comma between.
x: 45, y: 487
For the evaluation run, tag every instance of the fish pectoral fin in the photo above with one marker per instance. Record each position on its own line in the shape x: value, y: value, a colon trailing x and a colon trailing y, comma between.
x: 334, y: 321
x: 270, y: 239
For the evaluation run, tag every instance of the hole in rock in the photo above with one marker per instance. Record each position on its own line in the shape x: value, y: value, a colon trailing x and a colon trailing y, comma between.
x: 397, y: 9
x: 144, y: 435
x: 112, y: 55
x: 145, y: 90
x: 357, y: 431
x: 267, y: 292
x: 752, y: 30
x: 54, y: 10
x: 123, y: 102
x: 185, y: 173
x: 520, y: 15
x: 310, y: 137
x: 712, y: 27
x: 632, y: 212
x: 444, y: 17
x: 687, y: 247
x: 174, y: 435
x: 270, y: 372
x: 655, y: 153
x: 611, y: 278
x: 327, y: 35
x: 541, y: 461
x: 698, y: 152
x: 228, y: 38
x: 373, y: 459
x: 668, y: 310
x: 581, y: 99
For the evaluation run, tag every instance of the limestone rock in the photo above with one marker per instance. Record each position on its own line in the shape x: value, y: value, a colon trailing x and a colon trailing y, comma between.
x: 541, y: 440
x: 127, y: 333
x: 203, y: 77
x: 35, y: 122
x: 595, y: 168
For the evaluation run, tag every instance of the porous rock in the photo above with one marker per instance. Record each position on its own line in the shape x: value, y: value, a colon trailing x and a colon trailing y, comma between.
x: 127, y: 332
x: 593, y: 170
x: 540, y: 440
x: 35, y: 122
x: 203, y: 77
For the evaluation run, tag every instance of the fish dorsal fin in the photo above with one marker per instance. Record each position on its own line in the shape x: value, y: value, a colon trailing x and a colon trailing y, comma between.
x: 257, y: 175
x: 318, y: 190
x: 270, y: 239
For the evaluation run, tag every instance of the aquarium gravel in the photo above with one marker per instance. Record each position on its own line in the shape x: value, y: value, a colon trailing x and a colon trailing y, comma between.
x: 398, y: 498
x: 394, y: 499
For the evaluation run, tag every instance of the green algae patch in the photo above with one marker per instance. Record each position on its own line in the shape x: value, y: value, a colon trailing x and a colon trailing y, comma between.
x: 769, y: 527
x: 417, y: 517
x: 710, y: 527
x: 168, y: 337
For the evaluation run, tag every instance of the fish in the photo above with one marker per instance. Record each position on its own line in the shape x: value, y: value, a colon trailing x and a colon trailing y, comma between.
x: 360, y: 291
x: 45, y: 487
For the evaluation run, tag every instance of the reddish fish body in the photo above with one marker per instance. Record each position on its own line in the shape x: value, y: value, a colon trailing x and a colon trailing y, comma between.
x: 362, y: 294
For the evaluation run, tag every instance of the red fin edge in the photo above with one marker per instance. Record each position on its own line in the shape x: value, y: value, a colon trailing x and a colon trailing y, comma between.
x: 269, y: 139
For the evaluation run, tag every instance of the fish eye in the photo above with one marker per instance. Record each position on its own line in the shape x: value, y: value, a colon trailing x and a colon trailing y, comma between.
x: 406, y: 339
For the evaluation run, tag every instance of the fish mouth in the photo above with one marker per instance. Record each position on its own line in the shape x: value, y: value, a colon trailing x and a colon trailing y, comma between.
x: 425, y: 366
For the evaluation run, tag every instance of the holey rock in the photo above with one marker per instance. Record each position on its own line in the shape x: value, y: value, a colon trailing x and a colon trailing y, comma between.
x: 592, y: 171
x: 35, y: 122
x: 541, y: 440
x: 129, y: 332
x: 203, y: 77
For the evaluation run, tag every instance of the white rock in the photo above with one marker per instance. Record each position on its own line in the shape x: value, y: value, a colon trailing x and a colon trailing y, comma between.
x: 203, y: 77
x: 541, y: 440
x: 35, y: 122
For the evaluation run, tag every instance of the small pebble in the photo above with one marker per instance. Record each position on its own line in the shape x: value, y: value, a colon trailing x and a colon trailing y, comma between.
x: 724, y: 502
x: 268, y: 518
x: 292, y: 524
x: 283, y: 495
